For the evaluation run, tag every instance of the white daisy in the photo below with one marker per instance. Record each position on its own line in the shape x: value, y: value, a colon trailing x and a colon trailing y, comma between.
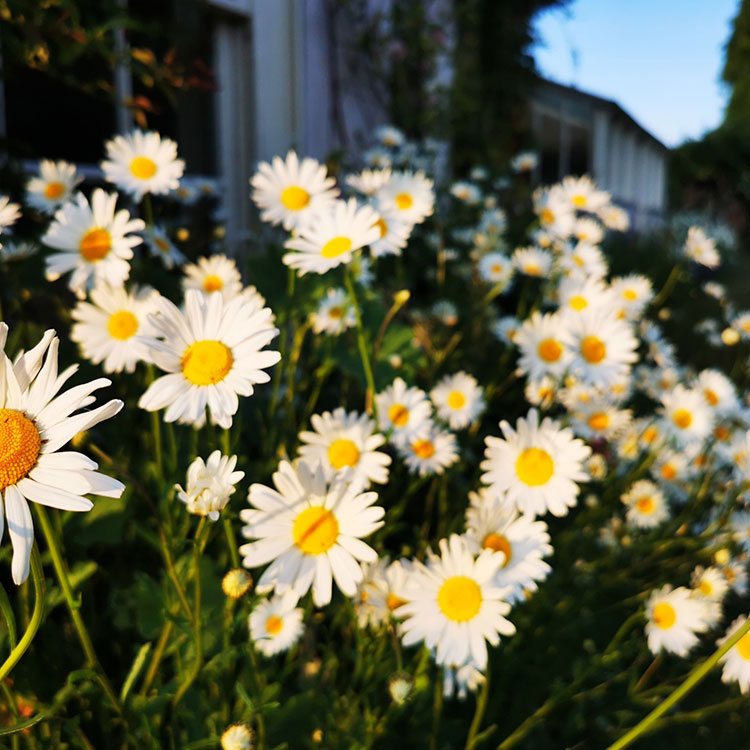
x: 410, y: 195
x: 614, y: 217
x: 719, y: 392
x: 577, y: 295
x: 467, y: 192
x: 556, y: 214
x: 583, y: 260
x: 369, y: 181
x: 700, y: 248
x: 710, y: 583
x: 537, y: 466
x: 163, y: 248
x: 35, y: 422
x: 588, y: 230
x: 330, y: 236
x: 632, y: 293
x: 216, y: 273
x: 15, y: 251
x: 108, y: 328
x: 525, y: 161
x: 737, y: 660
x: 584, y: 195
x: 209, y: 484
x: 213, y: 352
x: 143, y: 162
x: 334, y: 314
x: 686, y: 416
x: 288, y: 192
x: 404, y: 410
x: 646, y: 504
x: 380, y: 595
x: 310, y: 532
x: 276, y: 623
x: 454, y: 606
x: 431, y: 453
x: 390, y: 136
x: 545, y: 343
x: 237, y: 737
x: 394, y: 234
x: 95, y: 241
x: 600, y: 420
x: 345, y: 443
x: 53, y: 187
x: 9, y: 212
x: 460, y: 680
x: 458, y: 399
x: 533, y: 261
x: 497, y: 269
x: 506, y: 329
x: 741, y: 324
x: 674, y: 618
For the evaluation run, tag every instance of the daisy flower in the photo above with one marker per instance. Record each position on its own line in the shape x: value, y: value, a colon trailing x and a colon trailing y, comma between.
x: 545, y: 344
x: 600, y: 420
x: 36, y: 420
x: 409, y: 195
x: 143, y: 162
x: 614, y: 217
x: 533, y: 261
x: 588, y: 230
x: 556, y: 215
x: 737, y: 660
x: 276, y: 623
x: 577, y: 295
x: 467, y: 192
x: 289, y: 193
x: 210, y: 484
x: 462, y: 679
x: 380, y: 595
x: 334, y: 314
x: 536, y: 465
x: 700, y: 248
x: 632, y: 293
x: 497, y: 269
x: 346, y: 443
x: 390, y: 136
x: 458, y: 399
x: 216, y: 273
x: 710, y: 583
x: 741, y: 324
x: 53, y: 186
x: 686, y: 416
x: 523, y: 541
x: 674, y: 617
x: 96, y: 242
x: 9, y: 212
x: 454, y: 606
x: 15, y: 251
x: 603, y: 347
x: 213, y: 352
x: 163, y: 248
x: 404, y: 410
x: 647, y: 506
x: 524, y: 161
x: 237, y: 737
x: 719, y: 392
x: 369, y: 181
x: 432, y: 453
x: 310, y: 532
x: 583, y: 194
x: 584, y: 260
x: 507, y: 328
x: 108, y: 329
x: 541, y: 392
x: 330, y: 237
x: 394, y: 234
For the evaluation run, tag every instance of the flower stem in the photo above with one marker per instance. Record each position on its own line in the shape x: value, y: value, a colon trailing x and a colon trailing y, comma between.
x: 73, y: 606
x: 695, y: 676
x: 669, y: 284
x: 481, y: 707
x: 370, y: 407
x: 37, y: 576
x: 231, y: 542
x: 437, y: 709
x: 148, y: 210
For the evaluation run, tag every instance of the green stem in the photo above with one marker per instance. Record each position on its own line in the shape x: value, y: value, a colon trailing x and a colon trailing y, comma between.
x: 695, y: 676
x: 73, y: 606
x: 156, y: 427
x: 148, y: 210
x: 481, y: 707
x: 157, y: 656
x: 437, y: 709
x: 231, y: 542
x: 37, y: 577
x: 370, y: 407
x: 10, y: 618
x: 669, y: 284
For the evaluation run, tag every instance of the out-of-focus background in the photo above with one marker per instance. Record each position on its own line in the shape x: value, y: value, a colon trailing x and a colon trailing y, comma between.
x: 652, y: 99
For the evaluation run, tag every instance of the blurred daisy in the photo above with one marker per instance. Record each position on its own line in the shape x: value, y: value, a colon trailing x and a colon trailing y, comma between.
x: 524, y: 161
x: 276, y: 623
x: 584, y: 260
x: 35, y: 422
x: 96, y: 242
x: 15, y: 251
x: 458, y: 399
x: 545, y: 344
x: 600, y: 420
x: 330, y: 237
x: 446, y: 312
x: 334, y: 314
x: 588, y: 230
x: 369, y: 181
x: 216, y: 273
x: 673, y: 619
x: 556, y: 215
x: 686, y: 415
x: 162, y: 247
x: 532, y: 261
x: 737, y: 660
x: 541, y: 392
x: 536, y: 465
x: 209, y: 484
x: 719, y: 392
x: 53, y: 186
x: 213, y: 352
x: 632, y: 293
x: 584, y: 195
x: 409, y: 195
x: 237, y: 737
x: 404, y: 410
x: 309, y: 531
x: 346, y: 443
x: 467, y: 192
x: 289, y: 193
x: 143, y: 162
x: 390, y: 136
x: 710, y: 583
x: 462, y: 679
x: 380, y: 594
x: 9, y: 212
x: 577, y: 295
x: 431, y: 453
x: 507, y: 328
x: 700, y: 248
x: 614, y: 217
x: 496, y: 268
x: 454, y: 606
x: 646, y: 505
x: 741, y: 324
x: 394, y: 234
x: 108, y: 329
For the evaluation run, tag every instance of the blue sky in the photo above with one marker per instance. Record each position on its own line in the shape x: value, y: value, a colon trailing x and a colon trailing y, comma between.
x: 661, y: 60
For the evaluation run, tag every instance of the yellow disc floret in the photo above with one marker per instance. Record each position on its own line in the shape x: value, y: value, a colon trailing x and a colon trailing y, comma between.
x: 534, y: 466
x: 54, y: 190
x: 274, y: 624
x: 682, y: 418
x: 743, y: 647
x: 593, y: 349
x: 424, y: 449
x: 143, y: 168
x: 456, y: 400
x: 335, y: 247
x: 664, y: 615
x: 295, y: 198
x: 498, y: 543
x: 460, y: 598
x: 404, y: 201
x: 122, y: 325
x: 213, y: 283
x: 343, y: 452
x: 19, y: 446
x: 207, y: 362
x: 398, y: 414
x: 315, y: 530
x: 549, y: 350
x: 95, y: 244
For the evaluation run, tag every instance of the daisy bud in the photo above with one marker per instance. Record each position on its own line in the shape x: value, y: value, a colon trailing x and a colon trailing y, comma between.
x: 402, y: 297
x: 400, y: 686
x: 183, y: 235
x: 237, y: 737
x: 312, y: 668
x: 729, y: 336
x: 317, y: 736
x: 236, y: 583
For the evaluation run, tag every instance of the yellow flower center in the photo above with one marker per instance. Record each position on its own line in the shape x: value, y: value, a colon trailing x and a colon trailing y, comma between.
x: 54, y: 190
x: 706, y: 588
x: 549, y: 350
x: 315, y: 530
x: 682, y: 418
x: 122, y: 325
x: 532, y: 269
x: 579, y: 201
x: 404, y: 201
x: 547, y: 216
x: 456, y: 400
x: 342, y: 452
x: 335, y: 247
x: 577, y: 260
x: 646, y: 505
x: 394, y: 602
x: 578, y: 302
x: 162, y: 244
x: 496, y: 269
x: 336, y: 312
x: 534, y: 467
x: 95, y: 244
x: 599, y: 421
x: 629, y: 295
x: 498, y: 543
x: 711, y: 397
x: 743, y: 647
x: 650, y: 434
x: 19, y: 446
x: 424, y: 449
x: 398, y: 414
x: 295, y: 198
x: 382, y: 226
x: 207, y: 362
x: 274, y: 624
x: 143, y: 168
x: 721, y: 433
x: 593, y: 349
x: 460, y: 598
x: 668, y: 472
x: 664, y: 615
x: 213, y: 283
